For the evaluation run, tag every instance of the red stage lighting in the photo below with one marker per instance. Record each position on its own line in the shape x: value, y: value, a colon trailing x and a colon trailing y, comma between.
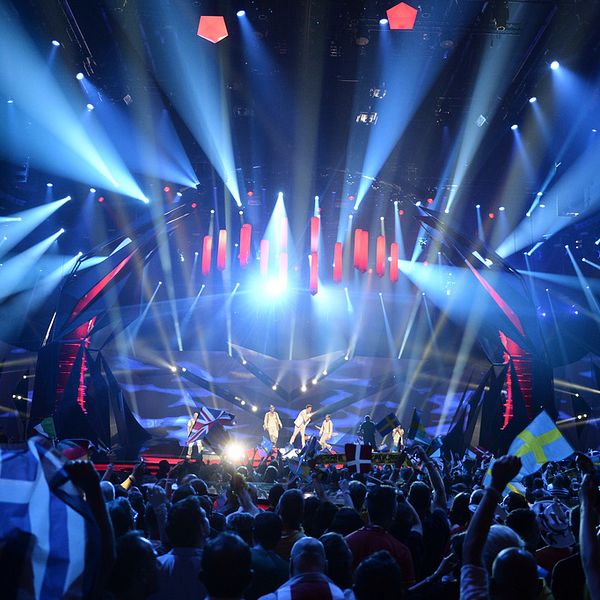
x: 401, y: 212
x: 364, y: 251
x: 166, y: 189
x: 222, y: 250
x: 212, y: 29
x: 394, y: 262
x: 206, y: 254
x: 314, y: 234
x: 380, y: 256
x: 314, y: 272
x: 429, y: 200
x: 245, y: 239
x: 249, y: 193
x: 402, y: 16
x: 357, y: 240
x: 194, y: 205
x: 337, y: 262
x: 491, y: 215
x: 101, y: 199
x: 351, y: 198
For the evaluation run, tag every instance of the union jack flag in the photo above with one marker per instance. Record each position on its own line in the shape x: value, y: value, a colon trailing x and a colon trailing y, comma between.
x: 207, y: 419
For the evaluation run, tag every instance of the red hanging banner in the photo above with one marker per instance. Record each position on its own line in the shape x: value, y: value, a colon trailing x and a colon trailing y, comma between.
x: 314, y: 273
x: 222, y: 250
x: 283, y: 268
x: 206, y: 254
x: 264, y: 257
x: 394, y: 262
x: 245, y: 239
x: 357, y: 242
x: 314, y: 234
x: 380, y: 256
x: 364, y: 251
x: 337, y: 262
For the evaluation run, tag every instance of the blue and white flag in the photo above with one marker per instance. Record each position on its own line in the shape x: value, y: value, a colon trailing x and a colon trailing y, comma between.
x: 46, y: 521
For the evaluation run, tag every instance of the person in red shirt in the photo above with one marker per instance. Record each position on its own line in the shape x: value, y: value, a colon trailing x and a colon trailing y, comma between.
x: 381, y: 504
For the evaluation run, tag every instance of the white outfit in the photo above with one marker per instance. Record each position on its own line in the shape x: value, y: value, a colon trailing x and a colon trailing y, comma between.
x: 272, y: 424
x: 190, y: 424
x: 398, y: 436
x: 326, y: 432
x: 302, y: 420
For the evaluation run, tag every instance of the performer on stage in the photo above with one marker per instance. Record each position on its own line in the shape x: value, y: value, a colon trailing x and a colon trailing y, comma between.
x: 302, y: 420
x: 190, y: 425
x: 398, y: 437
x: 325, y: 432
x: 272, y: 424
x: 367, y: 431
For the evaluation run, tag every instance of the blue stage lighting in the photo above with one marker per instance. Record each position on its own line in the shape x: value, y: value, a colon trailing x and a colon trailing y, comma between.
x: 79, y: 76
x: 514, y: 127
x: 89, y: 106
x: 55, y: 43
x: 478, y: 206
x: 241, y: 13
x: 383, y: 21
x: 554, y: 65
x: 532, y: 99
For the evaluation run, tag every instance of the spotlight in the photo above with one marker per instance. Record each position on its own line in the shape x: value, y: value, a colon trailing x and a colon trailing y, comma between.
x: 234, y: 452
x: 303, y: 388
x: 166, y: 189
x: 243, y: 402
x: 254, y: 408
x: 212, y: 211
x: 183, y: 370
x: 61, y: 230
x: 55, y: 43
x: 173, y: 369
x: 101, y: 199
x: 540, y: 194
x: 346, y: 357
x: 554, y: 65
x: 315, y: 381
x: 89, y: 106
x: 325, y: 372
x: 79, y: 76
x: 383, y: 21
x: 501, y: 209
x: 92, y: 190
x: 593, y: 130
x: 274, y: 387
x: 478, y: 206
x: 10, y: 101
x: 532, y: 99
x: 241, y: 13
x: 179, y: 194
x: 241, y: 212
x: 514, y: 127
x: 244, y: 361
x: 49, y: 184
x: 194, y: 205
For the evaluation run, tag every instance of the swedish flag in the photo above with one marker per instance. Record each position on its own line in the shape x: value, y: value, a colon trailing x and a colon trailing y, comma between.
x: 387, y: 424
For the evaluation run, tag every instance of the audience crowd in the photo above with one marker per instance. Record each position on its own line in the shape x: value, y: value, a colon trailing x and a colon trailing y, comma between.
x: 422, y: 528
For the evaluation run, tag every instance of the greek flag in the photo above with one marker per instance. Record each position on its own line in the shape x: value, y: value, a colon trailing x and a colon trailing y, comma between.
x: 46, y: 527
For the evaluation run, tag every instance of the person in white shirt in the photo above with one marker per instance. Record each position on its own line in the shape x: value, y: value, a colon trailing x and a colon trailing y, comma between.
x: 398, y: 436
x: 326, y: 432
x: 272, y: 424
x: 190, y: 425
x: 302, y: 420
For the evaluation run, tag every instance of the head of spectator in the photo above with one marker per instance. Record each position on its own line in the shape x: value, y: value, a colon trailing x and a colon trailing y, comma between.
x: 108, y: 490
x: 419, y: 495
x: 475, y: 499
x: 514, y: 500
x: 270, y: 474
x: 358, y: 493
x: 199, y: 486
x: 515, y: 575
x: 381, y: 504
x: 217, y: 521
x: 121, y: 516
x: 524, y: 522
x: 403, y: 522
x: 339, y: 559
x: 275, y: 494
x: 135, y: 571
x: 163, y: 469
x: 307, y: 556
x: 553, y: 518
x: 241, y: 523
x: 267, y: 530
x: 187, y: 525
x: 183, y: 491
x: 206, y: 504
x: 499, y: 538
x: 226, y: 567
x: 291, y: 509
x: 459, y: 513
x: 346, y: 521
x: 378, y: 576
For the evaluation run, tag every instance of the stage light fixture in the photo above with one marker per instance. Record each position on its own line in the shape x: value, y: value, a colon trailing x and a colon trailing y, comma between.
x: 101, y: 199
x: 10, y: 101
x: 241, y: 212
x: 594, y: 130
x: 274, y: 387
x: 212, y: 28
x: 234, y: 451
x: 514, y: 127
x: 89, y: 106
x: 478, y: 206
x: 325, y: 372
x: 92, y: 190
x: 179, y: 194
x: 501, y: 209
x: 555, y: 65
x: 303, y: 388
x: 79, y: 76
x: 254, y: 408
x: 55, y: 43
x: 49, y: 184
x: 194, y: 205
x: 173, y: 369
x: 532, y: 99
x: 241, y: 13
x: 383, y: 21
x: 244, y: 361
x: 402, y: 16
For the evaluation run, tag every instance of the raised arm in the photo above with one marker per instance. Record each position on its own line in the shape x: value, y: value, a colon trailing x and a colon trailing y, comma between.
x: 439, y: 498
x: 504, y: 470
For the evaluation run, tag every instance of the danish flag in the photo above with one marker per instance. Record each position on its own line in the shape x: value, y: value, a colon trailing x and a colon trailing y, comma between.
x: 358, y: 458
